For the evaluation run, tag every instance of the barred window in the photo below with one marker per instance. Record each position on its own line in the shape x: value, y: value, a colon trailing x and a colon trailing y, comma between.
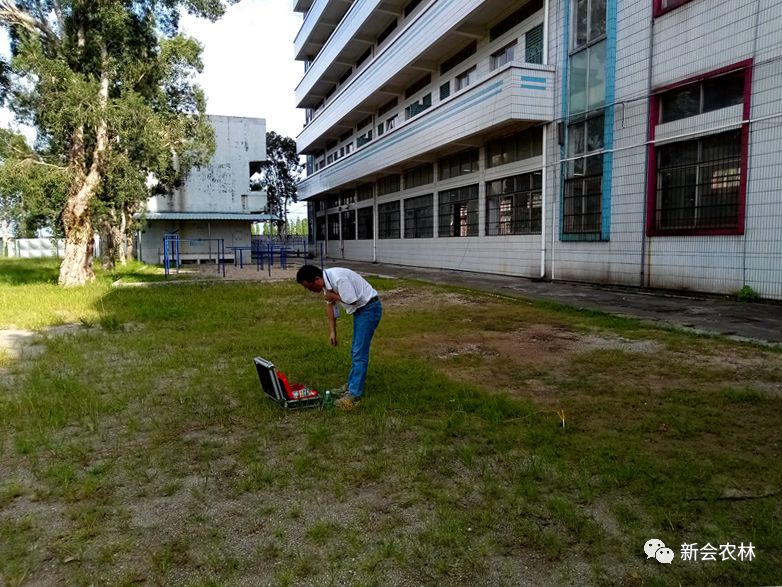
x: 458, y: 164
x: 458, y: 212
x: 464, y: 79
x: 365, y: 223
x: 320, y: 228
x: 698, y: 183
x: 421, y: 175
x: 349, y: 225
x: 333, y: 225
x: 584, y: 177
x: 513, y: 204
x: 388, y: 220
x: 419, y: 217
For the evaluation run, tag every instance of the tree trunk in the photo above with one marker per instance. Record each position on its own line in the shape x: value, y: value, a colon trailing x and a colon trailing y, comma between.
x: 76, y: 267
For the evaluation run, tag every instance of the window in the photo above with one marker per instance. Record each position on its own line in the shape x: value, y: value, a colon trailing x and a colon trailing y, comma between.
x: 587, y: 78
x: 419, y: 217
x: 333, y: 225
x: 533, y: 45
x: 419, y: 85
x: 391, y: 123
x: 365, y: 227
x: 697, y: 185
x: 385, y: 108
x: 386, y: 32
x: 589, y: 22
x: 417, y: 107
x: 388, y: 185
x: 380, y: 129
x: 458, y: 164
x: 458, y: 57
x: 515, y: 18
x: 711, y: 94
x: 256, y: 176
x: 584, y: 177
x: 465, y: 79
x: 458, y: 212
x: 445, y: 90
x: 349, y: 225
x: 663, y: 6
x: 320, y: 226
x: 365, y: 192
x: 523, y: 145
x: 363, y: 139
x: 412, y: 5
x: 503, y: 56
x: 513, y: 204
x: 421, y: 175
x: 346, y: 197
x: 388, y: 220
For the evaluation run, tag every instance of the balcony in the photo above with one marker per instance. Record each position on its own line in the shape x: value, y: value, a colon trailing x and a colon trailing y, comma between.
x: 513, y: 93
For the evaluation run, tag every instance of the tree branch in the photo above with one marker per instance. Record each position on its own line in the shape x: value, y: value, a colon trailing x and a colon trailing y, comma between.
x: 12, y: 15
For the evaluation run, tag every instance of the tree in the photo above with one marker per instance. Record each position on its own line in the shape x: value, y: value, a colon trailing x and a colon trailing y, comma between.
x: 280, y: 174
x: 107, y: 84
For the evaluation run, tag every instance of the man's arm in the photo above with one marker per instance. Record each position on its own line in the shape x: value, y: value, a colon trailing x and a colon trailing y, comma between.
x: 332, y: 322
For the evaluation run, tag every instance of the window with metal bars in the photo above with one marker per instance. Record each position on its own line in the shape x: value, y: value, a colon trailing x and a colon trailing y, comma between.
x: 523, y: 145
x: 349, y: 225
x: 419, y: 217
x: 513, y: 205
x: 584, y: 177
x: 365, y: 223
x: 533, y: 45
x: 320, y: 226
x: 458, y: 212
x: 388, y: 220
x: 698, y: 183
x: 333, y: 226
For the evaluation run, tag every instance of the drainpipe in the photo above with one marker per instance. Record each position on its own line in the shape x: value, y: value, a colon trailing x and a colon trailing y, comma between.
x: 543, y: 209
x: 374, y: 222
x: 545, y: 158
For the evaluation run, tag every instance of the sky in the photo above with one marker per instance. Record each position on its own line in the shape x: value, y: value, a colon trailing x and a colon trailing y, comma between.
x: 249, y: 68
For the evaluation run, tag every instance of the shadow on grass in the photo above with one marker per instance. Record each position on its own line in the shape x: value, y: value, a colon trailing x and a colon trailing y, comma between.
x: 29, y: 271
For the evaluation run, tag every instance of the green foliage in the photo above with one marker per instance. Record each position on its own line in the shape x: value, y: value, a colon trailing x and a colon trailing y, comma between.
x: 280, y: 173
x: 747, y: 294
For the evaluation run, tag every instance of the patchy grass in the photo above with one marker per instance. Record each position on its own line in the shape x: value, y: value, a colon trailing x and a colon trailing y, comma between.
x: 136, y: 447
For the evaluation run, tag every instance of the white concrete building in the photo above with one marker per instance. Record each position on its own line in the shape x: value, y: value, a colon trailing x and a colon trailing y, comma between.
x: 217, y: 201
x: 629, y: 143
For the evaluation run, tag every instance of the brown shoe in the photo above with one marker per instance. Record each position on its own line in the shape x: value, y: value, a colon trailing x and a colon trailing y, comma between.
x: 346, y: 403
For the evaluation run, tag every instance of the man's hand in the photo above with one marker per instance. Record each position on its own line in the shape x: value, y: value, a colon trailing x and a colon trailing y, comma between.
x: 333, y: 339
x: 331, y: 296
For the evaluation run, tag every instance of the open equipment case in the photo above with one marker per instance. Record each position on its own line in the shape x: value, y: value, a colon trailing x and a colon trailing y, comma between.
x: 279, y: 390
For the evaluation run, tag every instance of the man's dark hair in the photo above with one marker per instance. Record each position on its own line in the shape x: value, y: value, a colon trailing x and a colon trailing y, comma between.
x: 308, y: 273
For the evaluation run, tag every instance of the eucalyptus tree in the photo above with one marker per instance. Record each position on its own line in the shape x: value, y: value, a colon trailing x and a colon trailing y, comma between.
x: 280, y: 174
x: 109, y: 87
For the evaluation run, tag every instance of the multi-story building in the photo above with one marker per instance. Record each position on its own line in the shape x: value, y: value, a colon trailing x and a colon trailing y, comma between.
x: 629, y: 143
x: 216, y: 201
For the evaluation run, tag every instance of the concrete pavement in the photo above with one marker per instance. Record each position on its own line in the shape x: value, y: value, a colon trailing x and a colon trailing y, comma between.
x: 703, y: 313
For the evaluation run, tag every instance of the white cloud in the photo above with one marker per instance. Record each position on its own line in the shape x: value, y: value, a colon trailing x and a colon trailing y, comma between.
x: 249, y: 68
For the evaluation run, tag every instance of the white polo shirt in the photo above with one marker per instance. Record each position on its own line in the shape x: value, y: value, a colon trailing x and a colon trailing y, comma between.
x: 354, y: 290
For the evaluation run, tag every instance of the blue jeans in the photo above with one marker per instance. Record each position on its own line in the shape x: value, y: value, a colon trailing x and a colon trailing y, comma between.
x: 365, y: 321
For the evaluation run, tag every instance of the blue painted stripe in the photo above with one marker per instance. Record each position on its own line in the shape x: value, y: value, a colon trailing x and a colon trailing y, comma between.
x: 530, y: 87
x: 535, y: 80
x: 408, y: 131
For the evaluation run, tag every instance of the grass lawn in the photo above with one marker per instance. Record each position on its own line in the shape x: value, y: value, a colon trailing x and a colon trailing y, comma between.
x: 501, y: 442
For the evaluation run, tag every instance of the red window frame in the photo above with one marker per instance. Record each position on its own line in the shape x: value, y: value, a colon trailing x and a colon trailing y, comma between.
x: 659, y: 10
x: 651, y: 179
